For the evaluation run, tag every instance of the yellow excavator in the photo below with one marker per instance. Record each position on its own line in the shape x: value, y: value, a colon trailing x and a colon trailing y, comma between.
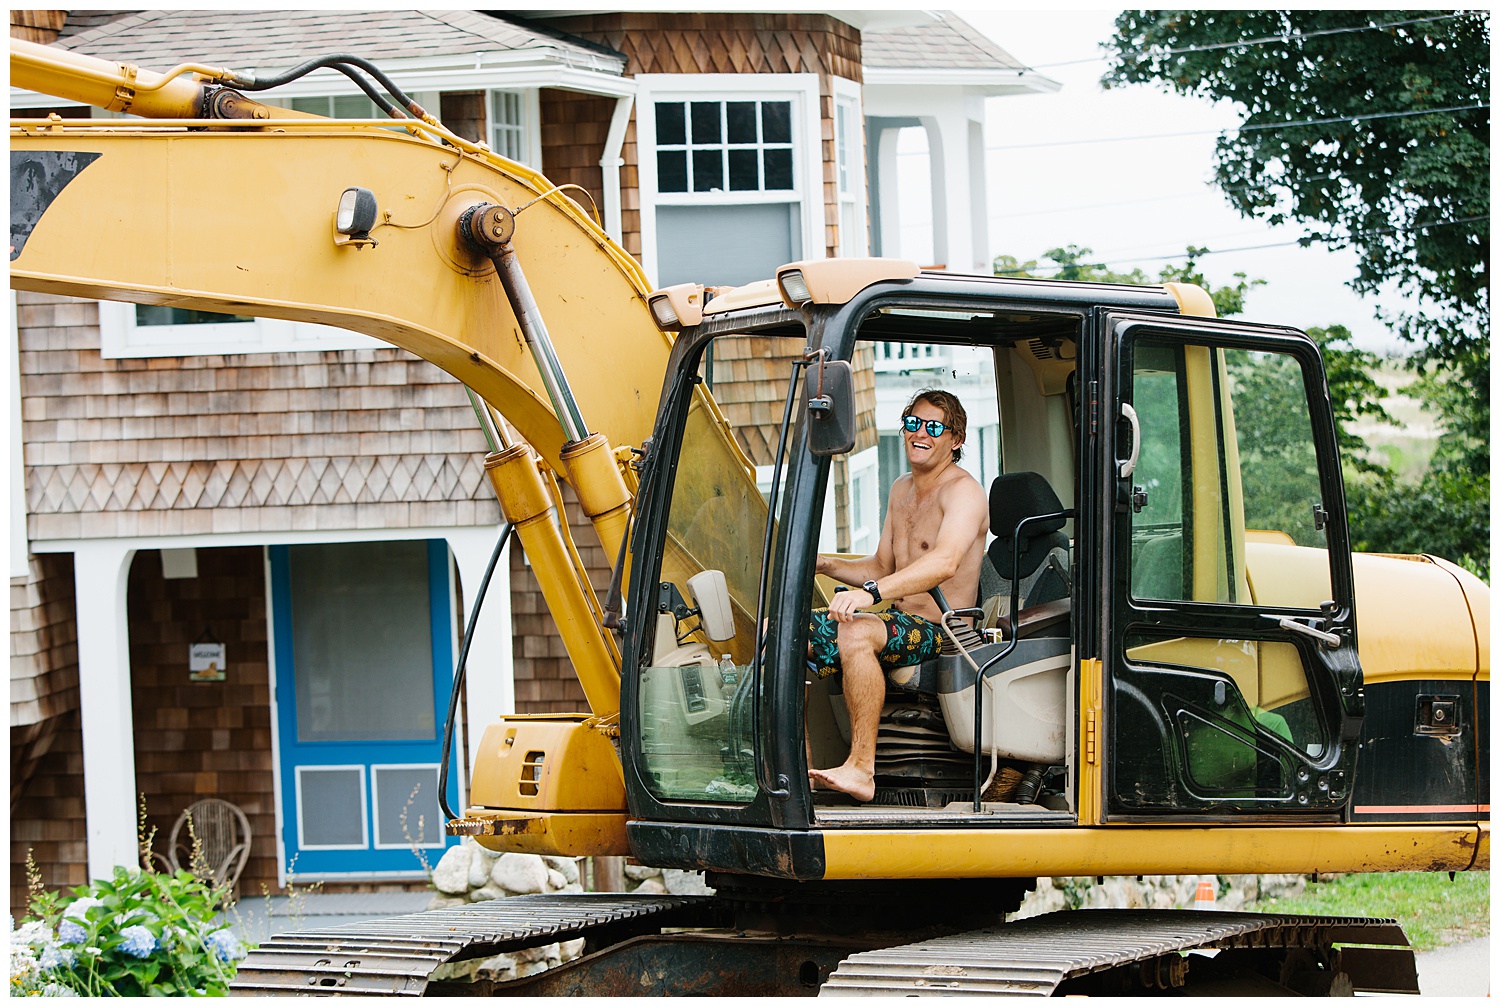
x: 1168, y: 673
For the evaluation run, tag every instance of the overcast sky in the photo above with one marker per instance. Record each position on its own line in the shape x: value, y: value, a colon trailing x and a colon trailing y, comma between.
x: 1138, y: 195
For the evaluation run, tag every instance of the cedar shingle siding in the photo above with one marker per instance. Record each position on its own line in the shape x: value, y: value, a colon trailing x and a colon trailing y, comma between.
x: 656, y: 42
x: 204, y: 738
x: 574, y: 128
x: 43, y: 643
x: 36, y: 25
x: 209, y: 444
x: 47, y: 817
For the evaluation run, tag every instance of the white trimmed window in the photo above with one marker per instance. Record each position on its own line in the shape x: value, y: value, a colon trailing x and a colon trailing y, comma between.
x: 730, y: 175
x: 849, y: 147
x: 338, y: 106
x: 508, y: 133
x: 724, y: 146
x: 139, y: 330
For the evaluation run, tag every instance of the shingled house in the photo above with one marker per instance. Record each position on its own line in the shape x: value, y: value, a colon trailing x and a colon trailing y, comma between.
x: 243, y: 488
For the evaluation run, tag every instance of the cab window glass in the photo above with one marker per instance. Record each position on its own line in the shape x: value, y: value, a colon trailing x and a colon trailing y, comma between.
x: 1248, y: 725
x: 1227, y: 505
x: 695, y: 697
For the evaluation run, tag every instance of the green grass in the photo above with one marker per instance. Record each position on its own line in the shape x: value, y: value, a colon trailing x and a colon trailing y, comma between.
x: 1433, y: 910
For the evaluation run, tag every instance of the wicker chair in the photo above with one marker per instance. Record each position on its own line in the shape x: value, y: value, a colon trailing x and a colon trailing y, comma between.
x: 224, y: 833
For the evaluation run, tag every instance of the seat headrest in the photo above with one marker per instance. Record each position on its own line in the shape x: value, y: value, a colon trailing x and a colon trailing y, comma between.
x: 1019, y: 495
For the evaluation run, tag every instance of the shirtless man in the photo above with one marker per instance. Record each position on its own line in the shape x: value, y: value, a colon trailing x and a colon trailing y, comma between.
x: 934, y: 536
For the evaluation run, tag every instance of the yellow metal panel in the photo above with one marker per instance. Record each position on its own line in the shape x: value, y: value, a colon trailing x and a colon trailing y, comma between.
x: 1090, y: 759
x: 1415, y: 617
x: 1209, y: 582
x: 526, y: 504
x: 1219, y: 849
x: 1236, y: 658
x: 1477, y: 594
x: 227, y: 219
x: 536, y: 764
x: 555, y: 834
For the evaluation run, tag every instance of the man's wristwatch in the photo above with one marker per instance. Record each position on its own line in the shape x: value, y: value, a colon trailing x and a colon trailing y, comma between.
x: 873, y: 588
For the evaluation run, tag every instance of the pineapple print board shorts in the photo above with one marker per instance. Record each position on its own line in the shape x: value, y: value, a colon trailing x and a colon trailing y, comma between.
x: 910, y: 639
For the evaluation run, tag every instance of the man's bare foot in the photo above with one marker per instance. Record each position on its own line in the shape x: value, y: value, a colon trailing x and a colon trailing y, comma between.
x: 847, y: 779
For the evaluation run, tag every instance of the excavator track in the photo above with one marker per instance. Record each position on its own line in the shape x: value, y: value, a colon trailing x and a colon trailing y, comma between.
x: 1143, y: 948
x: 396, y: 956
x: 1090, y: 951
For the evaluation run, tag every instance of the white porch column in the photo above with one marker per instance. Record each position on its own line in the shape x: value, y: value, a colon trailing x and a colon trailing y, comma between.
x: 957, y: 220
x: 979, y: 203
x: 940, y: 161
x: 490, y: 687
x: 100, y: 572
x: 889, y: 194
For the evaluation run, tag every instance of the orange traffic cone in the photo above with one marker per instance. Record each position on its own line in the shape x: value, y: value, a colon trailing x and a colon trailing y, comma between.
x: 1205, y: 897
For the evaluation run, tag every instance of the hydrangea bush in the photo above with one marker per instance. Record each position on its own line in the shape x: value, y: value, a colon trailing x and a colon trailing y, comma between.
x: 137, y: 934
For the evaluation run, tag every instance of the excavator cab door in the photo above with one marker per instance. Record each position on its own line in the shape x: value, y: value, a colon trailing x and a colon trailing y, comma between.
x: 1232, y: 682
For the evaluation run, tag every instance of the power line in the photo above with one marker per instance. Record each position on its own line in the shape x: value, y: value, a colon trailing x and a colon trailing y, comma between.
x: 1242, y: 129
x: 1262, y: 40
x: 1207, y: 190
x: 1244, y: 248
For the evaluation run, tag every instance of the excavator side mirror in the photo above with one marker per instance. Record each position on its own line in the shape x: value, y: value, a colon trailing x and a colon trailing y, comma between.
x: 830, y: 408
x: 710, y: 591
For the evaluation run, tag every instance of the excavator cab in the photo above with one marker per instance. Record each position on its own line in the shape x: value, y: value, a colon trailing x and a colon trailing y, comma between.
x: 1142, y: 657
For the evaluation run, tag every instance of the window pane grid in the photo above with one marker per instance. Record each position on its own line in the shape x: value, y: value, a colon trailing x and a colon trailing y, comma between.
x: 507, y: 125
x: 724, y: 146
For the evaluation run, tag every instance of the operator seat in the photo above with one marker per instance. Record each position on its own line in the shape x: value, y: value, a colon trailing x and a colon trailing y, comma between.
x: 1042, y: 564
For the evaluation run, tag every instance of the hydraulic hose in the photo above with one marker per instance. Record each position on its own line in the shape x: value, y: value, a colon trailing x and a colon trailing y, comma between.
x: 463, y: 663
x: 342, y: 62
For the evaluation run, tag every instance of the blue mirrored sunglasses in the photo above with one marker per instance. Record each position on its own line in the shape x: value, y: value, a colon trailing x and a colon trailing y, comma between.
x: 914, y: 423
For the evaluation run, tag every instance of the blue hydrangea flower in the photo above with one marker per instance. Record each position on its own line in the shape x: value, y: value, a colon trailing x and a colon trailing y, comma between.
x: 53, y: 957
x: 78, y: 909
x: 138, y: 941
x: 70, y: 932
x: 225, y: 946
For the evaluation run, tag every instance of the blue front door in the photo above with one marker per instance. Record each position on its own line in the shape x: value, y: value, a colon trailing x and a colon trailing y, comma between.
x: 364, y: 664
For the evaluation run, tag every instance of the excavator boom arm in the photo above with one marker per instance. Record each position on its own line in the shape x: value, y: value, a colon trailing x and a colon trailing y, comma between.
x: 219, y: 203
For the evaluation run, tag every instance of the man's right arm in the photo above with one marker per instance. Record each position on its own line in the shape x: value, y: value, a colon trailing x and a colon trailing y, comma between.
x: 852, y: 571
x: 855, y: 572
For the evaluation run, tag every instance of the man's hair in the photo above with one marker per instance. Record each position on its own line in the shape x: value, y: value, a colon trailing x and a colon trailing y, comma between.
x: 953, y: 413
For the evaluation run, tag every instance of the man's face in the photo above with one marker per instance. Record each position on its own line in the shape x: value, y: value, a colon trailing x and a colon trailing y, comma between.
x: 924, y: 451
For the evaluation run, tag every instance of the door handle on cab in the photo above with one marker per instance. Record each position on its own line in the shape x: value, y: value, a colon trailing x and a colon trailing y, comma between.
x: 1330, y: 640
x: 1128, y: 465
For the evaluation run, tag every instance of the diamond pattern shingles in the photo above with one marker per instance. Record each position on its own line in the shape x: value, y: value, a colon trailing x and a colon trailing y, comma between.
x: 262, y: 39
x: 948, y: 43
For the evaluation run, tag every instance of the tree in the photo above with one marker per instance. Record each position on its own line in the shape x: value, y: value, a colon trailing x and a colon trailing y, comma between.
x: 1070, y: 260
x: 1371, y: 128
x: 1354, y: 393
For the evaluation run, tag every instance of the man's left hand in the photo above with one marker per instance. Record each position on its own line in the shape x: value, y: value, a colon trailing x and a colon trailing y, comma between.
x: 846, y: 604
